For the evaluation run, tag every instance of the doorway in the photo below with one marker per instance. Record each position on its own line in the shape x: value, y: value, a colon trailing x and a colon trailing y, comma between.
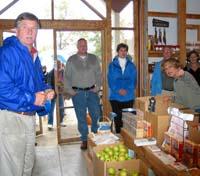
x: 66, y: 45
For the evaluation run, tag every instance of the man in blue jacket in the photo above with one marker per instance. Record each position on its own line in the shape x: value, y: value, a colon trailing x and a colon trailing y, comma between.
x: 160, y: 82
x: 122, y: 79
x: 23, y: 92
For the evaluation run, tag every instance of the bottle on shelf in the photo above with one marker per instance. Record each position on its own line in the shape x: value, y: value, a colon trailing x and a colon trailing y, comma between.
x: 156, y: 36
x: 164, y: 37
x: 160, y: 37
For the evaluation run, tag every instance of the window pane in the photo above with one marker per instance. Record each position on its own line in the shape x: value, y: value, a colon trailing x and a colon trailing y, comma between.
x: 99, y: 5
x: 124, y: 18
x: 45, y: 47
x: 123, y: 36
x: 67, y: 42
x: 73, y: 9
x: 41, y: 8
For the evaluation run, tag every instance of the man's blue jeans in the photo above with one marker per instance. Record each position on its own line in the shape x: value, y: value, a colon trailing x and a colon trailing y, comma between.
x: 82, y: 101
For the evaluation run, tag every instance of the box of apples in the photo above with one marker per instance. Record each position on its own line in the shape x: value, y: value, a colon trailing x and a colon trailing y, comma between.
x: 114, y: 160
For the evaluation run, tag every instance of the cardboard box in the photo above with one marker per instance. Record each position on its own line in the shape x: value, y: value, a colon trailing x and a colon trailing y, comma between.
x: 161, y: 106
x: 194, y: 136
x: 159, y: 125
x: 194, y: 132
x: 142, y: 103
x: 91, y: 144
x: 177, y: 148
x: 167, y: 145
x: 101, y: 166
x: 190, y: 155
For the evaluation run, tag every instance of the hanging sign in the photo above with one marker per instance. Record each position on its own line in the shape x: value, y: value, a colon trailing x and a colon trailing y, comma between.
x: 160, y: 23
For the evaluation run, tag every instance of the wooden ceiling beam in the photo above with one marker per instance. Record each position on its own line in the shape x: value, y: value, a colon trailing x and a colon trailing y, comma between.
x: 61, y: 24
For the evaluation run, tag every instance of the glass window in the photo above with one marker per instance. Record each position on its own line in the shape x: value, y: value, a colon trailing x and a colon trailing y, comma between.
x: 124, y: 18
x: 44, y: 44
x: 99, y: 5
x: 40, y: 8
x: 67, y: 42
x: 123, y: 36
x: 74, y: 9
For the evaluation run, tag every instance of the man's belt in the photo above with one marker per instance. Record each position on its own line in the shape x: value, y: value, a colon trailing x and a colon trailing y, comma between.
x: 168, y: 89
x: 85, y: 89
x: 26, y: 113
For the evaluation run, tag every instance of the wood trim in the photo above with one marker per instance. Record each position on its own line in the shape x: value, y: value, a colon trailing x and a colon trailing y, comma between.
x: 192, y: 26
x: 193, y: 16
x: 1, y: 37
x: 107, y: 37
x: 61, y: 24
x: 68, y: 140
x: 182, y: 29
x: 137, y: 42
x: 122, y: 28
x: 162, y: 14
x: 143, y: 61
x: 172, y: 15
x: 40, y: 131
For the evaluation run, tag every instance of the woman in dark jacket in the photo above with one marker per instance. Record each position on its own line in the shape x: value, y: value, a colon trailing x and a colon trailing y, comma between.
x: 193, y: 65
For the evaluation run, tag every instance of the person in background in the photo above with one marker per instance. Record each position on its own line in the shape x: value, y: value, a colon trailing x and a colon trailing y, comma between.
x: 45, y: 73
x: 23, y: 92
x: 122, y: 79
x: 160, y: 82
x: 186, y: 89
x: 193, y: 65
x: 82, y: 81
x: 51, y: 82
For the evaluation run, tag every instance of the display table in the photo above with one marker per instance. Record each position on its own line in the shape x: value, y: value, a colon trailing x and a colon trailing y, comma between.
x: 151, y: 160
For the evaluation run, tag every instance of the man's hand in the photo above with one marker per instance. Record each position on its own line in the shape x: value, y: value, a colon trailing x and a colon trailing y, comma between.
x: 40, y: 98
x: 122, y: 92
x: 49, y: 94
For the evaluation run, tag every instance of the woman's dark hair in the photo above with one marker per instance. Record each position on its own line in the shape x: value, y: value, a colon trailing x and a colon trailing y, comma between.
x: 27, y: 16
x: 122, y: 45
x: 192, y: 52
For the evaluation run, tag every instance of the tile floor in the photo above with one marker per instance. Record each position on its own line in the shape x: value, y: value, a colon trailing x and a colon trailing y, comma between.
x: 64, y: 160
x: 59, y: 160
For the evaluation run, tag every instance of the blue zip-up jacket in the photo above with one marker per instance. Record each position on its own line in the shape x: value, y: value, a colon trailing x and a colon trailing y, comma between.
x: 118, y: 80
x: 156, y: 81
x: 20, y: 77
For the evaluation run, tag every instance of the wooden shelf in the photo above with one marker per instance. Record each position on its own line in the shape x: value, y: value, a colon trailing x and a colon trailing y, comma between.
x: 155, y: 53
x: 150, y: 159
x: 160, y: 54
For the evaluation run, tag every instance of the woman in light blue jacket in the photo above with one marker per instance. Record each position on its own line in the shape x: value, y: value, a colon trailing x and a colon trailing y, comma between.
x: 122, y: 79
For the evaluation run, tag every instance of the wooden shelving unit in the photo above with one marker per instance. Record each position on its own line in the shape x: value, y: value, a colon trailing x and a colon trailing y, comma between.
x: 159, y: 54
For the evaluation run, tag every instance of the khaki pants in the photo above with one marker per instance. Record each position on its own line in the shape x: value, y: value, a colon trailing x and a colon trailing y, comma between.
x: 17, y: 144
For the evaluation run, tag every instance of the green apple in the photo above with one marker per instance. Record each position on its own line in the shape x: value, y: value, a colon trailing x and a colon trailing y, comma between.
x: 121, y: 158
x: 98, y: 155
x: 134, y: 173
x: 106, y: 149
x: 111, y: 171
x: 110, y: 153
x: 123, y: 173
x: 115, y: 148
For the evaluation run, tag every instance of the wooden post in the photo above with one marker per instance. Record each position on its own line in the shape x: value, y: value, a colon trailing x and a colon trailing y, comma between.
x: 182, y: 29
